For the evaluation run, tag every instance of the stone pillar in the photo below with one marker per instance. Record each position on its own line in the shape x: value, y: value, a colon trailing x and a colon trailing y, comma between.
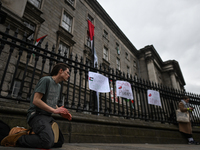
x: 173, y: 80
x: 151, y: 70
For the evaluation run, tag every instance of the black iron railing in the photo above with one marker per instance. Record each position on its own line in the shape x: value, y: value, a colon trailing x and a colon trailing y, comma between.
x: 22, y: 64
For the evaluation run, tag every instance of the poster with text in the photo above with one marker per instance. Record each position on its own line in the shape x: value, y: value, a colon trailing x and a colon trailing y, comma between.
x: 98, y: 82
x: 124, y: 89
x: 154, y: 97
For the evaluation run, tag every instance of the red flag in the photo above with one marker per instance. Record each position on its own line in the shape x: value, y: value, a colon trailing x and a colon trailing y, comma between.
x: 91, y: 29
x: 91, y: 34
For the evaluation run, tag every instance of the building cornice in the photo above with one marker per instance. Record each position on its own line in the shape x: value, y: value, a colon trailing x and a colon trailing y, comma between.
x: 171, y: 65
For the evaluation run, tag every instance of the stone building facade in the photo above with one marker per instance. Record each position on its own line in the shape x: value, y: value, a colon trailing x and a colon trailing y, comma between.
x: 65, y: 24
x: 152, y: 67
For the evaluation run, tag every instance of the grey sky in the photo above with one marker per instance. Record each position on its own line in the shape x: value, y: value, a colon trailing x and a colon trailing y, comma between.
x: 171, y: 26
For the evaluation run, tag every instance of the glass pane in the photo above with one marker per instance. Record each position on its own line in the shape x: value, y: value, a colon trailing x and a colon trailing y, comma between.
x: 71, y: 2
x: 36, y: 3
x: 65, y: 26
x: 90, y: 18
x: 67, y: 22
x: 64, y: 18
x: 16, y: 88
x: 30, y: 26
x: 64, y: 49
x: 88, y: 43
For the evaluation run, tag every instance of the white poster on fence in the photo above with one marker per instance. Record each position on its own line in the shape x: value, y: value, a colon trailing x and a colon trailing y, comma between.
x: 98, y: 82
x: 153, y: 97
x: 124, y: 89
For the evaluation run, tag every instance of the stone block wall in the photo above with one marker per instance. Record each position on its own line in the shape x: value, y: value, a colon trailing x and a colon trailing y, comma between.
x: 86, y: 128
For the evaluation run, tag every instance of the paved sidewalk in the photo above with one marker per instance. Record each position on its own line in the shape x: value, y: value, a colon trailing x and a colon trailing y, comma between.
x: 106, y: 146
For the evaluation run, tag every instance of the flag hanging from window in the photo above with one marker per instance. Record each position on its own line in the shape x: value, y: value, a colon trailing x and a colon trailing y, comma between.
x: 91, y: 34
x: 91, y: 30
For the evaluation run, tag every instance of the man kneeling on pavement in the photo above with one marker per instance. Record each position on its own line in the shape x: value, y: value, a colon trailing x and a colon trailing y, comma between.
x: 43, y: 102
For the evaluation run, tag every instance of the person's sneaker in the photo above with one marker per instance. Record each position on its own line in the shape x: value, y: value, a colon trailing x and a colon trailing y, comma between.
x: 193, y: 142
x: 197, y: 143
x: 55, y: 129
x: 11, y: 140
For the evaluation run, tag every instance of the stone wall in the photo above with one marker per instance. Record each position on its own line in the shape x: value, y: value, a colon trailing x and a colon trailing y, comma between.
x: 85, y: 128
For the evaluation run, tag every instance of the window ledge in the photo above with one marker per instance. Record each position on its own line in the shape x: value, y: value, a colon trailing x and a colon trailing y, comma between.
x: 105, y: 62
x: 69, y: 5
x: 87, y: 50
x: 33, y: 13
x: 64, y: 31
x: 17, y: 24
x: 118, y: 71
x: 64, y: 34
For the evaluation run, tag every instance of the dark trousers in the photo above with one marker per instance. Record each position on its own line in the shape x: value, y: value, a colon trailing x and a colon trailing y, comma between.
x: 43, y: 137
x: 186, y: 135
x: 4, y: 130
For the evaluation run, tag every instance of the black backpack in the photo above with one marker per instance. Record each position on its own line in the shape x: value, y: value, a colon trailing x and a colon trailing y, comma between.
x: 4, y: 130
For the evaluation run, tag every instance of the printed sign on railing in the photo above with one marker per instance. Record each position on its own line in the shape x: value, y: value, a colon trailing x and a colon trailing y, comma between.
x: 98, y: 82
x: 124, y: 89
x: 153, y: 97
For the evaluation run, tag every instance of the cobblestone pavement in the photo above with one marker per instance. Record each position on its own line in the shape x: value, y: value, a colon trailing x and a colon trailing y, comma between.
x: 106, y: 146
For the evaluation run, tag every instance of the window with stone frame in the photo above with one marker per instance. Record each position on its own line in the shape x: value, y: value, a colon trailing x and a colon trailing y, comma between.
x: 29, y: 25
x: 88, y: 40
x: 67, y: 22
x: 105, y: 34
x: 71, y: 2
x: 16, y: 88
x: 117, y: 48
x: 88, y: 62
x: 118, y: 63
x: 90, y: 18
x: 36, y: 3
x: 136, y: 76
x: 126, y: 56
x: 32, y: 18
x: 64, y: 49
x: 128, y: 71
x: 105, y: 66
x: 105, y: 53
x: 134, y: 64
x: 30, y: 36
x: 32, y: 27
